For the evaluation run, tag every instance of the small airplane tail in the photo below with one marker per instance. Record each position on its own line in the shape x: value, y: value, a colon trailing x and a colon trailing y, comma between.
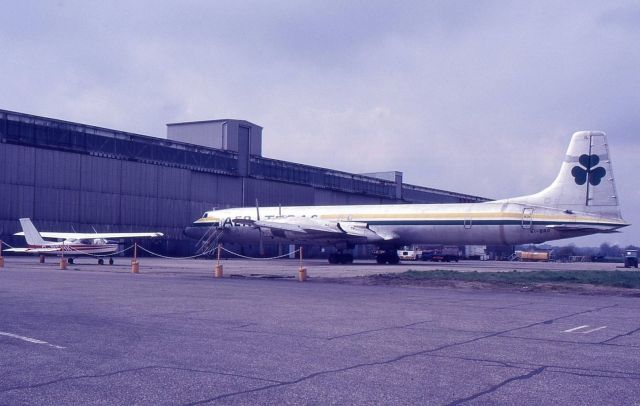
x: 585, y: 182
x: 32, y: 235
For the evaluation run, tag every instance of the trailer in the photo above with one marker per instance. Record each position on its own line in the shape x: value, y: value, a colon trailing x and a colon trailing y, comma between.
x: 532, y: 256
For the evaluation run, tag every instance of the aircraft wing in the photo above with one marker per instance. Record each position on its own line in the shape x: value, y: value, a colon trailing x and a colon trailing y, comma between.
x: 88, y: 236
x: 314, y: 228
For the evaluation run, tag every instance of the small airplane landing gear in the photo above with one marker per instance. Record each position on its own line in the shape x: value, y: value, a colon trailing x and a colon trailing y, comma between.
x: 70, y: 261
x: 101, y: 261
x: 110, y: 261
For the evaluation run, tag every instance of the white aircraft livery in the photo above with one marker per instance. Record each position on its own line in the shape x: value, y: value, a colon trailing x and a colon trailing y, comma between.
x: 581, y: 201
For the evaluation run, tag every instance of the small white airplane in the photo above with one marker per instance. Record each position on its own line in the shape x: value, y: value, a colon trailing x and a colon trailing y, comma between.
x: 581, y: 201
x: 73, y: 244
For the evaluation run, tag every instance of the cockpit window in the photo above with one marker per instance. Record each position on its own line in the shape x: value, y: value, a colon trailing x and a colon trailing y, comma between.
x: 205, y: 215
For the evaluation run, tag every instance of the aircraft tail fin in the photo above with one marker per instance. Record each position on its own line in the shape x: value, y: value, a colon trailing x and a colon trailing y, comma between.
x: 585, y: 182
x: 32, y: 235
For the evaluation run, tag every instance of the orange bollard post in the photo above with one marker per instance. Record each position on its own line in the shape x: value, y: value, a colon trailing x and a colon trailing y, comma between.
x: 218, y: 270
x: 135, y: 265
x: 302, y: 271
x: 63, y: 262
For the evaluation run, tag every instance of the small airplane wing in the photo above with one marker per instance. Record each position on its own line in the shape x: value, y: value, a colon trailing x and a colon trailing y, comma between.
x: 83, y: 236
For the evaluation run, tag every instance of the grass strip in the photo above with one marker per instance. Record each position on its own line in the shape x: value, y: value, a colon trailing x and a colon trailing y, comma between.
x: 620, y: 279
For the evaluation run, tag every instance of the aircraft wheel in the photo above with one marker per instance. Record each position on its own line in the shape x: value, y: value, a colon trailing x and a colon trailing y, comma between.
x: 101, y: 261
x: 333, y: 258
x: 110, y: 261
x: 71, y: 260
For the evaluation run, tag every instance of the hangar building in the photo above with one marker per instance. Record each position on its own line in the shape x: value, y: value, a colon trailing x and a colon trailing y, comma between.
x: 68, y: 176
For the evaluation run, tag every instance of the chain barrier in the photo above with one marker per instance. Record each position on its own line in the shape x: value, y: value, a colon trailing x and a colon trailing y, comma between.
x: 178, y: 258
x: 212, y: 250
x: 259, y: 259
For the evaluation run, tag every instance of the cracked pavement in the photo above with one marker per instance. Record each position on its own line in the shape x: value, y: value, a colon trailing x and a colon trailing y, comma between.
x: 190, y: 339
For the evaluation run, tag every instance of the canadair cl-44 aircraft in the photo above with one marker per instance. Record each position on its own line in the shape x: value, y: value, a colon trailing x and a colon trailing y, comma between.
x: 73, y: 244
x: 581, y: 201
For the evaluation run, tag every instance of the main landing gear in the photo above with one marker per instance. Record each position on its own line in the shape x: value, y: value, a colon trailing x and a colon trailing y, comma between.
x: 388, y: 257
x: 340, y: 258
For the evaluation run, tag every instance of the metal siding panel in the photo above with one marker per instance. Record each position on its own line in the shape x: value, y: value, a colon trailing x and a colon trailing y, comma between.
x: 100, y: 208
x: 328, y: 197
x: 173, y: 213
x: 360, y: 199
x: 57, y: 205
x: 228, y: 192
x: 138, y: 210
x: 17, y: 164
x: 89, y: 207
x: 5, y: 201
x: 204, y: 187
x: 56, y: 169
x: 139, y: 179
x: 101, y: 174
x: 274, y: 193
x: 173, y: 183
x: 22, y: 202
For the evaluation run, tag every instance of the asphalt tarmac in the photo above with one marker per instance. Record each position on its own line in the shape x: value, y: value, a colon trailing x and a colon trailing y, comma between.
x: 175, y: 335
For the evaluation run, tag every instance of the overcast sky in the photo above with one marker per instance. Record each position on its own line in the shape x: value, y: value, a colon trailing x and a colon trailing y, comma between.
x: 479, y: 97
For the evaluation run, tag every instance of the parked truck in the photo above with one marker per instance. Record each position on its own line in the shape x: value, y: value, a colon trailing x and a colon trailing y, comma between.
x: 441, y: 254
x: 477, y: 252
